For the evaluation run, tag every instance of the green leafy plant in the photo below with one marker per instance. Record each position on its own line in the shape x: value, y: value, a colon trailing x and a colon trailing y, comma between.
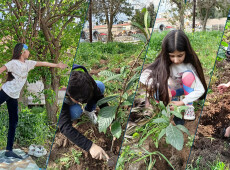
x: 174, y: 135
x: 70, y: 159
x: 190, y: 141
x: 145, y: 36
x: 128, y: 79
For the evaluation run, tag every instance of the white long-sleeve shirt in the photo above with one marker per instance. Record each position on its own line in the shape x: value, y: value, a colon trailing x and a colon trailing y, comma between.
x: 175, y: 80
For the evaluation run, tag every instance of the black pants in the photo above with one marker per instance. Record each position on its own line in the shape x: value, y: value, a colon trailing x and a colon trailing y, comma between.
x: 12, y: 106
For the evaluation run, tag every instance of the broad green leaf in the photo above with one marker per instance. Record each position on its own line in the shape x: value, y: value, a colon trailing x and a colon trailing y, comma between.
x: 162, y: 106
x: 160, y: 120
x: 224, y: 44
x: 115, y: 77
x: 165, y: 113
x: 181, y: 108
x: 140, y: 37
x: 116, y: 129
x: 107, y: 99
x: 132, y: 81
x: 175, y: 137
x: 177, y: 114
x: 125, y: 96
x: 184, y: 129
x: 105, y: 117
x: 126, y: 103
x: 163, y: 132
x: 135, y: 24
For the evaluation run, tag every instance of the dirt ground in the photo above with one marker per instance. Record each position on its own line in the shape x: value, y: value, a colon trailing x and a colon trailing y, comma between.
x: 209, y: 143
x: 62, y: 147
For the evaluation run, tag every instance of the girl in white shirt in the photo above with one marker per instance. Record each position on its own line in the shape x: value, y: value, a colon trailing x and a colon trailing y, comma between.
x: 176, y: 71
x: 17, y: 69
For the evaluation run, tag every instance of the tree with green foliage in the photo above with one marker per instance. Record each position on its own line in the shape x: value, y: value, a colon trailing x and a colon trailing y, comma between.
x: 139, y: 15
x: 51, y: 29
x: 108, y: 10
x: 179, y: 7
x: 211, y: 9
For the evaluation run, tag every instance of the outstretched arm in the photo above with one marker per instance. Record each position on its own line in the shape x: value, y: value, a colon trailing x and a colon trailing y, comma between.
x: 47, y: 64
x: 2, y: 69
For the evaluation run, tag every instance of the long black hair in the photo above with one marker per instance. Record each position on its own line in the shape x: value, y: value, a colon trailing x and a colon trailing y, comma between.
x: 175, y: 40
x: 16, y: 55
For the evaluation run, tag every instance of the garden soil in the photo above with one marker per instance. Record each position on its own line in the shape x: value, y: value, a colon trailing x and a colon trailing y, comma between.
x: 62, y: 148
x: 210, y: 143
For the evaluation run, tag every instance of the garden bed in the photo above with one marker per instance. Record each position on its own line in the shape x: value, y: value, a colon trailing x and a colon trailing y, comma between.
x: 209, y: 145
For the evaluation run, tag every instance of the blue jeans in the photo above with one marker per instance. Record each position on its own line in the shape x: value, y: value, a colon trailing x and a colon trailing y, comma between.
x: 76, y: 110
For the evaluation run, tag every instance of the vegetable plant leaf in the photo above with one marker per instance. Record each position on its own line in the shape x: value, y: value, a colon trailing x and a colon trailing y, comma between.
x: 107, y: 99
x: 105, y: 117
x: 175, y: 137
x: 132, y: 81
x: 116, y: 129
x: 184, y: 129
x: 177, y: 114
x: 224, y: 44
x: 160, y: 120
x: 162, y: 133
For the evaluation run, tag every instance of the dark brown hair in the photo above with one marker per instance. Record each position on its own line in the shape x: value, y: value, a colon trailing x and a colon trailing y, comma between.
x: 81, y: 86
x: 16, y: 55
x: 175, y: 40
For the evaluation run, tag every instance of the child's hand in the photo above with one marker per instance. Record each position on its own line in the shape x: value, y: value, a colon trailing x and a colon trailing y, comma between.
x: 177, y: 103
x: 97, y: 152
x: 222, y: 88
x: 62, y: 66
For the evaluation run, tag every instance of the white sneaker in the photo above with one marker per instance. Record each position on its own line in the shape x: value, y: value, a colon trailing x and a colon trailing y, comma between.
x: 32, y: 149
x: 40, y: 151
x: 92, y: 116
x: 190, y: 113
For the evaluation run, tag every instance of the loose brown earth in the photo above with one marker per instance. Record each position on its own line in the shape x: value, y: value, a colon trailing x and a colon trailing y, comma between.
x: 62, y: 147
x: 209, y: 143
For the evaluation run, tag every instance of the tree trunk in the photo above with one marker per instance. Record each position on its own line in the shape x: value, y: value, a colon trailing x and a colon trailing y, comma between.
x: 90, y: 22
x: 194, y: 16
x: 110, y: 26
x: 181, y: 8
x: 23, y: 99
x: 51, y: 104
x: 205, y: 20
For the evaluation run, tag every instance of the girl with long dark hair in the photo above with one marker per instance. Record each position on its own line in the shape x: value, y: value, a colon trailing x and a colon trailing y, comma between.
x: 176, y: 71
x: 17, y: 68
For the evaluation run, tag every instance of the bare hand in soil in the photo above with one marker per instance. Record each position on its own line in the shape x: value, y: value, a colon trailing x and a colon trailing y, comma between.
x: 97, y: 152
x: 222, y: 88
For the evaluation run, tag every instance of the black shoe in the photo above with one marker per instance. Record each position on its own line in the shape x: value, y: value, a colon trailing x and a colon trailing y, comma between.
x: 12, y: 154
x: 178, y: 121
